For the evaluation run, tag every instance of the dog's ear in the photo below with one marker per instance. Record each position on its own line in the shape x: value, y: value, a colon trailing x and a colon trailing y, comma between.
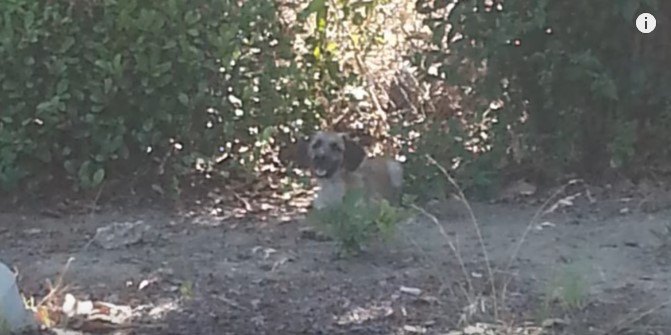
x: 353, y: 155
x: 297, y: 153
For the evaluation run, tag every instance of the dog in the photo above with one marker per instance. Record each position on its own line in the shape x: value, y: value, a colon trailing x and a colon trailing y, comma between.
x: 340, y: 165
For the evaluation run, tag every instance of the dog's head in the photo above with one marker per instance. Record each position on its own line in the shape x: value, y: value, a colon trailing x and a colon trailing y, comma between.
x: 325, y: 153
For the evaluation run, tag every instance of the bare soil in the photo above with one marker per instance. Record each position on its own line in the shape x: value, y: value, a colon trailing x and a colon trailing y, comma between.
x: 601, y: 268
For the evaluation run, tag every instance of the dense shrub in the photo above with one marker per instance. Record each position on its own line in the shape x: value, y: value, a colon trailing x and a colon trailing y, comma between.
x: 91, y: 89
x: 579, y: 89
x: 129, y: 88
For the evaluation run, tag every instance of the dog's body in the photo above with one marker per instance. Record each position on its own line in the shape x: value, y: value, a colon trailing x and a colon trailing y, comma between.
x: 378, y: 178
x: 341, y: 165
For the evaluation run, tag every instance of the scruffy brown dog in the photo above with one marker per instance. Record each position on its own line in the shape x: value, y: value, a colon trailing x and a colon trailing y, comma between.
x: 339, y: 165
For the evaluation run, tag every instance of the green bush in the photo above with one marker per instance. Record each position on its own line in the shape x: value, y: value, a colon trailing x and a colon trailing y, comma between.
x: 581, y: 90
x: 114, y: 88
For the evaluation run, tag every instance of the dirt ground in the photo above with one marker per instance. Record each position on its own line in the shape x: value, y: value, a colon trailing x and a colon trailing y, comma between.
x: 598, y: 267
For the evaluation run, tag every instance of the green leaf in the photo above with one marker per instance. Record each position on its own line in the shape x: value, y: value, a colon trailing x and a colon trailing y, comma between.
x: 267, y: 133
x: 171, y: 44
x: 314, y: 6
x: 62, y: 86
x: 101, y: 64
x: 183, y: 98
x: 438, y: 34
x: 107, y: 83
x: 358, y: 19
x: 117, y: 62
x: 28, y: 20
x: 68, y: 42
x: 317, y: 53
x: 192, y: 17
x: 164, y: 67
x: 83, y: 173
x: 98, y: 177
x: 69, y: 166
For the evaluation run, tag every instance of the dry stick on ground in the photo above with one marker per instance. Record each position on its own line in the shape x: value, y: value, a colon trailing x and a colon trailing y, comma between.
x: 476, y: 226
x: 56, y: 289
x: 634, y: 317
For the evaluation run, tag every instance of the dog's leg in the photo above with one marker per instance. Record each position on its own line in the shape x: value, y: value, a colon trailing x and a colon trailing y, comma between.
x: 395, y: 172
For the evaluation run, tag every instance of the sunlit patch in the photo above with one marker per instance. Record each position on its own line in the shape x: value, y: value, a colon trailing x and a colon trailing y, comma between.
x: 235, y: 101
x: 360, y: 315
x: 496, y: 105
x: 433, y: 69
x: 159, y: 311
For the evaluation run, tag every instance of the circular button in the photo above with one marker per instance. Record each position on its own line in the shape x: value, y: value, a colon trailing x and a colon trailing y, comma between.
x: 646, y: 23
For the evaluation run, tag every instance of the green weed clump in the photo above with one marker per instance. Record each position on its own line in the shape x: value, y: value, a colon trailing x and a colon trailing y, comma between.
x: 357, y: 221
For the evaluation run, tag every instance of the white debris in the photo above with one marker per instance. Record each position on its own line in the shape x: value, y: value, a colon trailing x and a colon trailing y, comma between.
x: 410, y: 290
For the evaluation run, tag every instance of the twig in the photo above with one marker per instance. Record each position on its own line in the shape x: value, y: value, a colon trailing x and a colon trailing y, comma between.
x: 630, y: 319
x: 248, y: 206
x: 476, y: 226
x: 53, y: 290
x: 95, y: 201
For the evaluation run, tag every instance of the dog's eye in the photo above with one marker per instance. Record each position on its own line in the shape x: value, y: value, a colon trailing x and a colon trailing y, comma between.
x: 317, y: 144
x: 335, y: 147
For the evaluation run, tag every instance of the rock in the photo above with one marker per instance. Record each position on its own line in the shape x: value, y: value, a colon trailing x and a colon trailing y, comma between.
x: 308, y: 233
x: 14, y: 317
x: 121, y: 234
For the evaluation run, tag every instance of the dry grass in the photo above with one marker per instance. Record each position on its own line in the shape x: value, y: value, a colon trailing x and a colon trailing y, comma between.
x: 476, y: 226
x: 498, y: 297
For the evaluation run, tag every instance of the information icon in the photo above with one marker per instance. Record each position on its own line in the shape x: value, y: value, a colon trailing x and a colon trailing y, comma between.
x: 646, y: 23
